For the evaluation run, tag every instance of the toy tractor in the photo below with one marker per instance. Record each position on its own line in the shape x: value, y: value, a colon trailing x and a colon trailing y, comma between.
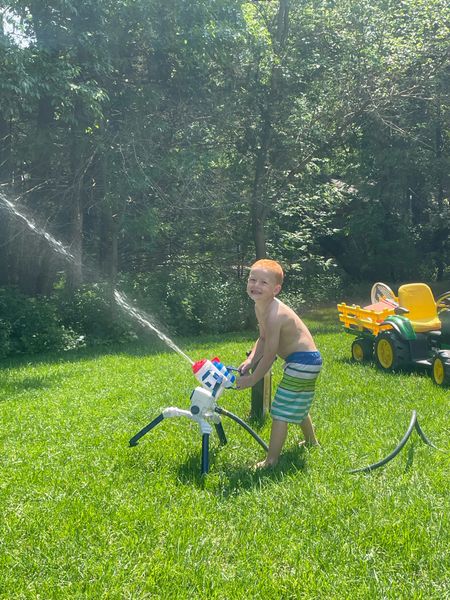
x: 401, y: 331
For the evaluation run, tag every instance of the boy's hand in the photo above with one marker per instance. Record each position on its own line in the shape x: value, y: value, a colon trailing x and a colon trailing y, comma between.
x: 244, y: 382
x: 245, y: 366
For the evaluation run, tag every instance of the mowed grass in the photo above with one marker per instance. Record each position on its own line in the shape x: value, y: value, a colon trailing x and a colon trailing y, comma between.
x: 83, y: 515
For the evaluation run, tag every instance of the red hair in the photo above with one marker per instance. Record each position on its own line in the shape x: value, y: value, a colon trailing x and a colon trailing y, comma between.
x: 272, y: 266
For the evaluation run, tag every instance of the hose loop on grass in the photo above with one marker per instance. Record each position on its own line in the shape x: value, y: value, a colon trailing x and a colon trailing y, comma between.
x: 414, y: 424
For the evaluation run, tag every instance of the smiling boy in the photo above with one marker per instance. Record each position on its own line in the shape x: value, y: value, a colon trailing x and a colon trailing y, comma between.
x: 281, y: 333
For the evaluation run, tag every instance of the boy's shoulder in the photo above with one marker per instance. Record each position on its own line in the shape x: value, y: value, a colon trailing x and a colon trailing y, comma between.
x: 279, y: 311
x: 286, y: 313
x: 282, y: 307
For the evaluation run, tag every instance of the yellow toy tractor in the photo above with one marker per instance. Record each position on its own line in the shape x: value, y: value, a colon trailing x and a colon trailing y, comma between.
x: 399, y: 331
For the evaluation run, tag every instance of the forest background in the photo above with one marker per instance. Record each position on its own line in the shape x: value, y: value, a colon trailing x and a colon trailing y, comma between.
x: 169, y: 143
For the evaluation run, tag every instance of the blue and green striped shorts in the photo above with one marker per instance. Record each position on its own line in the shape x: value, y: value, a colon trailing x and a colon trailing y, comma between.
x: 295, y: 393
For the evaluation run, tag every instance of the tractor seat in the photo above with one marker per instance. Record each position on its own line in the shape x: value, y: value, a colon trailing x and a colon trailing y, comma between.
x: 419, y: 300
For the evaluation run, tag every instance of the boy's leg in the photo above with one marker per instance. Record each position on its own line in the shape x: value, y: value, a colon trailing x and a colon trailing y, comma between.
x: 277, y: 439
x: 308, y: 432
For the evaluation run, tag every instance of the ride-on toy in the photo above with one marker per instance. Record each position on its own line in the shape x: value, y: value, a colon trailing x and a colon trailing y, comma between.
x: 400, y: 331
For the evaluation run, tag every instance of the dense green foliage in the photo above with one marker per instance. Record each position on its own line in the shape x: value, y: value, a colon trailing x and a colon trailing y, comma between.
x: 85, y: 516
x: 169, y: 143
x: 89, y: 315
x: 28, y: 325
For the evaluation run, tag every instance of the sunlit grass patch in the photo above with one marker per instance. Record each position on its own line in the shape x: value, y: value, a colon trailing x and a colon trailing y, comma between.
x: 86, y: 516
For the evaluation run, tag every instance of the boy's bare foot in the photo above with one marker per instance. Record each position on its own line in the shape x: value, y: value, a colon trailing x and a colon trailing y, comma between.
x: 265, y: 464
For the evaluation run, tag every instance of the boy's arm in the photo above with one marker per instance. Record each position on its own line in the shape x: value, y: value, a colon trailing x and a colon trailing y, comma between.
x: 257, y: 351
x: 253, y: 357
x: 270, y: 346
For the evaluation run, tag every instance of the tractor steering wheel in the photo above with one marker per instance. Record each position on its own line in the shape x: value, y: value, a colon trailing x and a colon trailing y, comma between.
x: 381, y: 291
x: 443, y: 302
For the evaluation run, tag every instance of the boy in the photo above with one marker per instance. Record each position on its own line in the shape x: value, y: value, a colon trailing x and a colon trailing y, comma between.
x: 282, y: 333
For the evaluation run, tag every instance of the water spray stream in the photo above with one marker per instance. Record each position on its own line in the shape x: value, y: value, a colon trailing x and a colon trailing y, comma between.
x: 142, y: 318
x: 55, y: 244
x: 119, y: 297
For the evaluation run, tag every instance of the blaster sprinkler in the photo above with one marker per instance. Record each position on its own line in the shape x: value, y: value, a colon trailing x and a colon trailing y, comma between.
x: 214, y: 378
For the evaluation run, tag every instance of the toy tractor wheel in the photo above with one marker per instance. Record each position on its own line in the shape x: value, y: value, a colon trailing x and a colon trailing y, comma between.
x: 391, y: 353
x: 440, y: 369
x: 362, y: 350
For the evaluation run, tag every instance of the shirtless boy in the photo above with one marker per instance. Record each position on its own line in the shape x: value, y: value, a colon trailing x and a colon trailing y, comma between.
x: 281, y: 333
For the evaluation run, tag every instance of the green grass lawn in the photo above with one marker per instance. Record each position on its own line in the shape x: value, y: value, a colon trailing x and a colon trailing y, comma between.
x: 83, y: 515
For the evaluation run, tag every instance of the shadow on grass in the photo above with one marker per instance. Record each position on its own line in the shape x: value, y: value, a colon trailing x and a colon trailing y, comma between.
x: 233, y: 480
x: 212, y: 339
x: 46, y: 381
x: 324, y: 320
x: 30, y: 383
x: 409, y: 463
x: 82, y: 354
x: 410, y: 457
x: 142, y: 347
x: 421, y: 370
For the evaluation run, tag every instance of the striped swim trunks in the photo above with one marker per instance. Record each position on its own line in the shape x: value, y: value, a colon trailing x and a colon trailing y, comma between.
x: 295, y: 393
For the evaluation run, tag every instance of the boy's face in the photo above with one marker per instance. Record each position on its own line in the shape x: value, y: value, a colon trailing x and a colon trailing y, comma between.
x: 262, y: 285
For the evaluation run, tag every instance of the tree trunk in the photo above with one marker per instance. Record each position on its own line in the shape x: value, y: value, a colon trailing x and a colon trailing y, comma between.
x: 78, y: 169
x: 109, y: 244
x: 46, y: 272
x: 443, y: 229
x: 107, y: 230
x: 260, y: 203
x: 75, y: 273
x: 5, y: 150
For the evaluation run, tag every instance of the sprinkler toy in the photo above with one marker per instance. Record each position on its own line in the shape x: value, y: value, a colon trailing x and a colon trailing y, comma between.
x: 412, y: 328
x: 214, y: 378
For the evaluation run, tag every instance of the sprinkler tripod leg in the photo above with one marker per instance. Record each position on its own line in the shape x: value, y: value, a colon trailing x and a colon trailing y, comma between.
x: 221, y: 433
x: 205, y: 454
x: 146, y: 429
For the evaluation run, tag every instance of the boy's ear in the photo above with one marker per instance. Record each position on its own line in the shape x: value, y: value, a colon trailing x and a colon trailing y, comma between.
x: 277, y: 289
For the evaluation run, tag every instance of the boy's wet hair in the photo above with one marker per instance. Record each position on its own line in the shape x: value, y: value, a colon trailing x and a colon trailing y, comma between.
x: 272, y: 266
